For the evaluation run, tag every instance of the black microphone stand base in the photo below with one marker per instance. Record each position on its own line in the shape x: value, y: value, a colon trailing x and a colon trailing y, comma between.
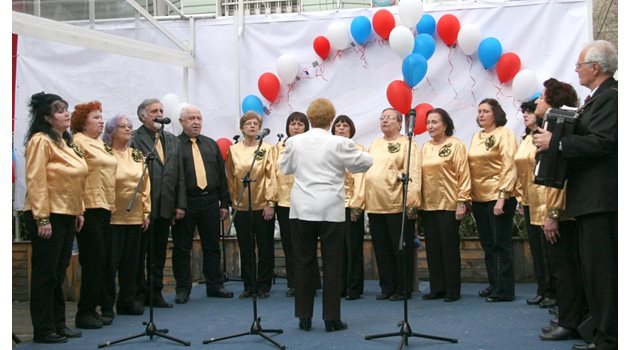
x: 151, y: 331
x: 256, y: 329
x: 405, y: 332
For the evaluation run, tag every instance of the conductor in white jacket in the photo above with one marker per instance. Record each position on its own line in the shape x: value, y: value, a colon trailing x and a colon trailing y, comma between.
x: 318, y: 160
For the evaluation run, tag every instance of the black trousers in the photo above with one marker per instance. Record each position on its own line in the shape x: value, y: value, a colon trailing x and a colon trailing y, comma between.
x: 385, y: 230
x: 282, y: 214
x: 495, y: 235
x: 565, y: 268
x: 160, y: 228
x: 263, y: 231
x: 441, y: 232
x: 122, y: 253
x: 598, y: 243
x: 305, y: 248
x: 352, y: 274
x: 202, y: 214
x: 49, y: 260
x: 545, y: 281
x: 91, y: 242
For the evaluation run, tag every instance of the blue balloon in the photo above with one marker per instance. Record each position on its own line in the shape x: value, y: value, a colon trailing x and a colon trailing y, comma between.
x: 253, y: 103
x: 424, y: 45
x: 489, y: 52
x: 414, y: 68
x: 426, y: 24
x: 361, y: 28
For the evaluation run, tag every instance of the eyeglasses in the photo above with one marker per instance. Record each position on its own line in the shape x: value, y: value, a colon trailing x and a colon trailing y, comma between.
x: 578, y: 64
x: 388, y: 117
x: 251, y: 124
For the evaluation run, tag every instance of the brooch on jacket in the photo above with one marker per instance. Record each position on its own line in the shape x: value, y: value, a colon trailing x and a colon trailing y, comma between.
x: 489, y: 142
x: 78, y: 150
x: 136, y: 155
x: 260, y: 154
x: 445, y: 150
x: 393, y: 147
x: 108, y: 149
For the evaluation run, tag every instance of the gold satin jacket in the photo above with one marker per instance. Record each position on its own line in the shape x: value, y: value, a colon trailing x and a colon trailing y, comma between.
x: 101, y: 180
x: 263, y: 186
x: 354, y: 185
x: 130, y: 167
x: 285, y: 182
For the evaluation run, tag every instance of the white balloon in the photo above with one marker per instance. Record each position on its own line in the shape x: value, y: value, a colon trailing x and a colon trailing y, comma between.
x: 410, y: 12
x: 169, y: 103
x: 338, y: 34
x: 468, y: 38
x: 524, y: 85
x: 401, y: 41
x: 287, y: 68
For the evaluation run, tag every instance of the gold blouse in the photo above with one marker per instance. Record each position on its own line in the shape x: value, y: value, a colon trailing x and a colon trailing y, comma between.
x: 55, y: 177
x: 130, y: 167
x: 383, y: 190
x: 354, y: 185
x: 285, y: 182
x: 263, y: 186
x: 491, y: 163
x: 101, y: 179
x: 524, y: 170
x: 445, y: 175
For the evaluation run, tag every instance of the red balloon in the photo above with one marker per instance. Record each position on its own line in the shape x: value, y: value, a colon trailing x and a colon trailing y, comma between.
x: 508, y: 65
x: 421, y: 118
x: 399, y: 96
x: 224, y: 146
x: 269, y: 86
x: 383, y: 23
x: 321, y: 45
x: 448, y: 28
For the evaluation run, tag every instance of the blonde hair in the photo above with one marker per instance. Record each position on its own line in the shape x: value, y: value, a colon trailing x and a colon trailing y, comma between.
x: 249, y: 116
x: 321, y: 113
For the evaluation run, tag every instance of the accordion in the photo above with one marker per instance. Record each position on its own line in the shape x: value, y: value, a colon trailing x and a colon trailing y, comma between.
x: 550, y: 168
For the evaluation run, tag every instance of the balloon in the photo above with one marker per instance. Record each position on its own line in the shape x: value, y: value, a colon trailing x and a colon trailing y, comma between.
x: 383, y: 22
x: 468, y: 38
x: 224, y: 146
x: 414, y: 68
x: 269, y: 86
x: 252, y: 103
x: 524, y: 85
x: 169, y: 104
x: 509, y: 64
x: 287, y: 68
x: 447, y: 28
x: 424, y: 45
x: 179, y: 108
x: 401, y: 41
x: 338, y: 35
x: 426, y: 24
x: 410, y: 12
x: 489, y: 52
x: 399, y: 96
x: 361, y: 28
x: 421, y: 118
x: 321, y: 45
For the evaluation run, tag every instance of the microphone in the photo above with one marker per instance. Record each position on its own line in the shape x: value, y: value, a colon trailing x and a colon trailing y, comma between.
x: 163, y: 121
x: 235, y: 138
x: 280, y: 136
x: 412, y: 120
x: 264, y: 132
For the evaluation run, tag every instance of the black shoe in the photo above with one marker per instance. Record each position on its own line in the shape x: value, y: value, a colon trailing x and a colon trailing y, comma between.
x: 451, y: 298
x: 107, y: 317
x: 263, y: 294
x: 221, y: 293
x: 433, y: 296
x: 305, y: 323
x: 560, y: 333
x: 549, y: 328
x: 246, y: 294
x: 352, y: 297
x: 382, y: 296
x: 547, y: 303
x: 535, y: 300
x: 69, y: 333
x: 135, y: 309
x: 181, y: 297
x: 336, y: 325
x: 553, y: 311
x: 589, y: 346
x: 158, y: 301
x: 290, y: 292
x: 87, y: 321
x: 50, y: 338
x: 498, y: 299
x: 396, y: 297
x: 485, y: 292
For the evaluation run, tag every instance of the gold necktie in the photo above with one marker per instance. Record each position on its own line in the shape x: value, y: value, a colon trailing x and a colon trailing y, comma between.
x: 158, y: 147
x: 200, y: 170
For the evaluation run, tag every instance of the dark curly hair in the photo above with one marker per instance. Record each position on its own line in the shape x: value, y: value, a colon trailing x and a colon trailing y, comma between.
x: 299, y: 116
x: 558, y: 94
x: 446, y: 119
x: 80, y: 114
x: 44, y: 105
x: 344, y: 119
x: 500, y: 118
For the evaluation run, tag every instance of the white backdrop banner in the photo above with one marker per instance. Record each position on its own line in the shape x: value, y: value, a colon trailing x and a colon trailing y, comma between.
x: 546, y: 35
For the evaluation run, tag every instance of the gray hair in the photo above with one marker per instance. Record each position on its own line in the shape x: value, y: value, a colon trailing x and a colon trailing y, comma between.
x: 111, y: 126
x: 604, y: 53
x: 142, y: 108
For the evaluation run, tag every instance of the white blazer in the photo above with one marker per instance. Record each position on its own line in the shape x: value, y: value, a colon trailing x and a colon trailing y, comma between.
x: 319, y: 160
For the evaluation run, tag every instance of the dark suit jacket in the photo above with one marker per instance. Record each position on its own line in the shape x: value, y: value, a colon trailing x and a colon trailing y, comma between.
x: 168, y: 187
x: 592, y: 154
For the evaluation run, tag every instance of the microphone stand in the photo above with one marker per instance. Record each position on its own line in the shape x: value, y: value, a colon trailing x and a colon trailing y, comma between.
x: 151, y: 330
x: 405, y: 329
x: 256, y: 328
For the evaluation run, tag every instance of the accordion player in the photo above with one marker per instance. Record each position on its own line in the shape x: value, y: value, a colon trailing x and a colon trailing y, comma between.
x: 550, y: 168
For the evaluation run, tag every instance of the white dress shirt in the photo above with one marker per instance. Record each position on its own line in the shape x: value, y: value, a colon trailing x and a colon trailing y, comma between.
x: 319, y: 160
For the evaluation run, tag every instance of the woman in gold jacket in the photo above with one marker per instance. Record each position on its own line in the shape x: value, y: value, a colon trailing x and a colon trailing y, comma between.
x: 445, y: 197
x: 99, y: 199
x: 493, y: 175
x: 352, y: 273
x: 55, y: 178
x: 264, y: 195
x: 122, y: 241
x: 383, y: 204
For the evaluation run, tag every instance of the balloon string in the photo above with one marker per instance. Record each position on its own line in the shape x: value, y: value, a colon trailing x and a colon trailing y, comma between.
x: 319, y: 71
x: 339, y: 54
x: 450, y: 51
x: 360, y: 50
x: 289, y: 94
x: 431, y: 85
x: 472, y: 88
x: 499, y: 89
